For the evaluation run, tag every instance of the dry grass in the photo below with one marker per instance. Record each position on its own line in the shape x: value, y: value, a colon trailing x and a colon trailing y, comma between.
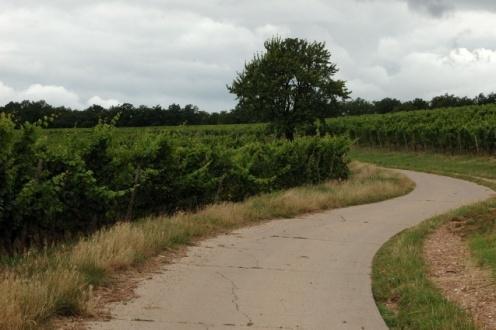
x: 41, y: 285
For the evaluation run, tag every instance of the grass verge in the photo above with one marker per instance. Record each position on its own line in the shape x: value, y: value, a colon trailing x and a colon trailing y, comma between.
x: 39, y: 285
x: 479, y: 169
x: 481, y: 231
x: 405, y: 296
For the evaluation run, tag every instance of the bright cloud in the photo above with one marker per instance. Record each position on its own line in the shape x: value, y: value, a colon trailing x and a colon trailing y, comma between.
x: 106, y: 103
x: 54, y: 95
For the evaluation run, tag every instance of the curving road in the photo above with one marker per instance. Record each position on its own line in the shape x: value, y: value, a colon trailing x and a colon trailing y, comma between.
x: 310, y: 272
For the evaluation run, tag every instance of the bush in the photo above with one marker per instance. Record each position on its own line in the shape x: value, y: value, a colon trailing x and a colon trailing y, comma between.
x: 52, y: 192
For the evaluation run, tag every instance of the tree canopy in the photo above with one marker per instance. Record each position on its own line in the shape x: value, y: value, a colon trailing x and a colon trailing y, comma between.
x: 290, y: 85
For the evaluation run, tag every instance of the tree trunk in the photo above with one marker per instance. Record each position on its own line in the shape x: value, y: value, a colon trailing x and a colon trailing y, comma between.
x: 129, y: 213
x: 289, y: 133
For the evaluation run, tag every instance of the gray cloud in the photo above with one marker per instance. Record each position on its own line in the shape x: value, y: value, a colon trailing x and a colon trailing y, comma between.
x: 434, y: 7
x: 163, y: 51
x: 440, y: 7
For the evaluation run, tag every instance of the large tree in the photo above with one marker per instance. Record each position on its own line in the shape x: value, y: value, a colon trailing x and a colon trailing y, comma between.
x: 290, y: 85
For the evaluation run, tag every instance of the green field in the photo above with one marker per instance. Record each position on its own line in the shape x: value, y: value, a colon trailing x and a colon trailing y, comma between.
x: 461, y: 130
x: 219, y: 134
x: 470, y: 129
x: 480, y: 169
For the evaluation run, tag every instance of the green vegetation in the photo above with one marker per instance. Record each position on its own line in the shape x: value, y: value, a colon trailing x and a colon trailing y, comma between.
x: 405, y: 296
x: 479, y: 169
x: 41, y: 284
x: 483, y: 245
x: 234, y: 135
x: 129, y: 115
x: 52, y: 190
x: 360, y: 106
x: 469, y: 129
x: 174, y: 114
x: 480, y: 228
x: 291, y: 85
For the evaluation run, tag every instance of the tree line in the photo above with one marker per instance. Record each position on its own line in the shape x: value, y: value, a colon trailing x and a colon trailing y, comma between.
x: 128, y: 115
x: 140, y: 116
x: 361, y: 106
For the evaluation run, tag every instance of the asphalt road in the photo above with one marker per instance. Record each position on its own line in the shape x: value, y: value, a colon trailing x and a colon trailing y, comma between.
x: 310, y: 272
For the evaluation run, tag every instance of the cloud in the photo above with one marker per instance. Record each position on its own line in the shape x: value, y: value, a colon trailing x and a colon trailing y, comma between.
x: 441, y: 7
x: 186, y: 51
x: 54, y: 95
x: 429, y: 74
x: 6, y: 93
x: 434, y: 7
x: 106, y: 103
x: 464, y: 58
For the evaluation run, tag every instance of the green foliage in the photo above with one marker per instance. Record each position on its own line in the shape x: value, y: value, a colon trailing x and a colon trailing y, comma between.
x: 130, y: 115
x: 289, y: 85
x: 468, y: 129
x: 50, y: 191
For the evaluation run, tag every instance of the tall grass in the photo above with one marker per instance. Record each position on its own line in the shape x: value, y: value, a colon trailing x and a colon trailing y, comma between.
x: 58, y: 281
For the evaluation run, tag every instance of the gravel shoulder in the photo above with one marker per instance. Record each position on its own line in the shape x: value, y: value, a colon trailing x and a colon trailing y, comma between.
x: 452, y: 269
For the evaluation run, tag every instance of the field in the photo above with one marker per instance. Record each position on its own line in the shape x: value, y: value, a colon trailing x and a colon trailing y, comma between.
x: 236, y: 132
x: 469, y: 129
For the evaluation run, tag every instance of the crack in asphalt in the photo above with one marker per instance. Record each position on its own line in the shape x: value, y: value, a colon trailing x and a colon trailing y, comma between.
x: 235, y: 299
x: 287, y: 270
x: 208, y: 325
x: 322, y: 240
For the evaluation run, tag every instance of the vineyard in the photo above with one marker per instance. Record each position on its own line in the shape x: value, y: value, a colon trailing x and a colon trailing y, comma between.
x: 59, y: 184
x: 470, y: 129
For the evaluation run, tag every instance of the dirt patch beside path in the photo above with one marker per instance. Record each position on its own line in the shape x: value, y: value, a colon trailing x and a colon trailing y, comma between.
x: 460, y: 280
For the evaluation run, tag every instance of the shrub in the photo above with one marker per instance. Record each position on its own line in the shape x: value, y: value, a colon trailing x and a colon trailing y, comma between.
x: 49, y: 192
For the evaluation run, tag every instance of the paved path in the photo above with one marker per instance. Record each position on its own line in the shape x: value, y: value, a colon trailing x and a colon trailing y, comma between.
x: 310, y: 272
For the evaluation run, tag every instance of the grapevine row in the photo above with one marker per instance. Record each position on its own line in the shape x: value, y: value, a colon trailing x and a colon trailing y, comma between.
x: 470, y: 129
x: 50, y: 191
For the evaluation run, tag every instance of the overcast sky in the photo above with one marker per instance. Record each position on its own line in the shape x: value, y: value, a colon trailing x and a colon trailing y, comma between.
x: 76, y: 53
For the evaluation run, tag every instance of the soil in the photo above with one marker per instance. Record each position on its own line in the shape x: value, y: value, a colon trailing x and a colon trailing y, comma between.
x: 452, y: 270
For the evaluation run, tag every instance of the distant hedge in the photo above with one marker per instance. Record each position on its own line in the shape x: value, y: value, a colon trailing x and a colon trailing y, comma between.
x: 52, y: 192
